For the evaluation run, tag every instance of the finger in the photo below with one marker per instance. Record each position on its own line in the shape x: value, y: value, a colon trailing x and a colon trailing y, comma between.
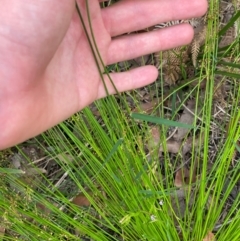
x: 129, y: 80
x: 132, y: 15
x: 131, y: 46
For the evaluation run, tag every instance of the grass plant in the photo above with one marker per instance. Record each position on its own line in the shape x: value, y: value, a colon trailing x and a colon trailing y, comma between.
x: 126, y: 191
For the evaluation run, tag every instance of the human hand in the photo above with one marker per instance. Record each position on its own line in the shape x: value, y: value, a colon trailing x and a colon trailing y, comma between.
x: 47, y: 70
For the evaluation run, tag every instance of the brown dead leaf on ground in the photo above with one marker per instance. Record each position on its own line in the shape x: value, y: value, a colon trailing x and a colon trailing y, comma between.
x: 187, y: 118
x: 2, y: 232
x: 44, y: 209
x: 175, y: 147
x: 147, y: 107
x: 154, y: 139
x: 81, y: 200
x: 178, y: 205
x: 178, y: 197
x: 172, y: 147
x: 182, y: 177
x: 187, y: 146
x: 209, y: 237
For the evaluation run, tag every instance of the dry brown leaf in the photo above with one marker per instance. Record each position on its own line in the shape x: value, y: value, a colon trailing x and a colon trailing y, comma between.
x: 209, y: 237
x: 154, y: 137
x: 81, y: 200
x: 178, y: 202
x: 172, y: 146
x: 186, y: 118
x: 181, y: 177
x: 2, y: 232
x: 147, y: 107
x: 187, y: 146
x: 43, y: 208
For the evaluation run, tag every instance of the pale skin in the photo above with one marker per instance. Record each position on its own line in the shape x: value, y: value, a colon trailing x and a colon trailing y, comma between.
x: 47, y: 70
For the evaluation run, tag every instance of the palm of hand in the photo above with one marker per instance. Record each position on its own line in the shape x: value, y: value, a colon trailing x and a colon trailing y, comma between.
x: 67, y: 80
x: 48, y: 71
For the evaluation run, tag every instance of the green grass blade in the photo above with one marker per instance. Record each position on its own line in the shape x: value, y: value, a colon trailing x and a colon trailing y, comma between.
x: 228, y: 74
x: 229, y: 24
x: 161, y: 121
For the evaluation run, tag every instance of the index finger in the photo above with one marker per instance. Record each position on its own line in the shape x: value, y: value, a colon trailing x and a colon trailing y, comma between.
x: 131, y: 15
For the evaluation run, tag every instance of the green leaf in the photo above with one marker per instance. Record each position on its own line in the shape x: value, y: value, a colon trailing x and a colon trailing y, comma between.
x: 233, y: 75
x: 229, y: 24
x: 234, y: 65
x: 114, y: 149
x: 158, y: 120
x: 11, y: 171
x: 237, y: 147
